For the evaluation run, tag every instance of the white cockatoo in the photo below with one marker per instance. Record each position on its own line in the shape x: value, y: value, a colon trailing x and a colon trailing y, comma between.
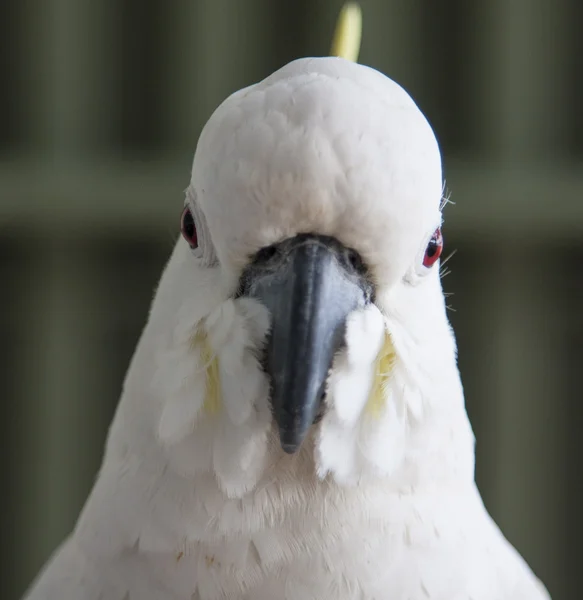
x: 292, y: 425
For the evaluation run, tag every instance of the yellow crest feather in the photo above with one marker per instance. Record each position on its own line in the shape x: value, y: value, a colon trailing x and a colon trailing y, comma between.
x: 346, y: 40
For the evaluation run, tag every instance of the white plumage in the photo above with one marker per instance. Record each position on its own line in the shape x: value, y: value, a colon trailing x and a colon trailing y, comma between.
x: 195, y: 498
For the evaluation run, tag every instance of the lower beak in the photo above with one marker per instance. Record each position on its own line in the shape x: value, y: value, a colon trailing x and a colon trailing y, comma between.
x: 310, y: 284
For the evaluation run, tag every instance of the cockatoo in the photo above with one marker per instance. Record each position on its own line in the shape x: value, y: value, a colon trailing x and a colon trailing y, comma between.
x: 292, y: 425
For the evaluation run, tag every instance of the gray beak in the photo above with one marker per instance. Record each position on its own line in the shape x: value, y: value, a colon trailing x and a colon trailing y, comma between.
x: 310, y: 284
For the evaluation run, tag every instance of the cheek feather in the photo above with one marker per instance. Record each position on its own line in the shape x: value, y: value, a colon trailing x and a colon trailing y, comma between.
x: 216, y: 416
x: 383, y: 369
x: 212, y: 397
x: 363, y: 433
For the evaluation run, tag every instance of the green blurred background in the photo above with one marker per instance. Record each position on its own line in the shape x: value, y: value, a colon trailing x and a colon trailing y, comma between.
x: 101, y: 104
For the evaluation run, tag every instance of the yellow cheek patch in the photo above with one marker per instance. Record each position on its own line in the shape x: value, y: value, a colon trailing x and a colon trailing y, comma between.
x: 210, y: 362
x: 346, y: 40
x: 383, y: 368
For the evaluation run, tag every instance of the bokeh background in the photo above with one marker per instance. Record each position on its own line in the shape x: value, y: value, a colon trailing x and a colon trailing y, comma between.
x: 101, y: 104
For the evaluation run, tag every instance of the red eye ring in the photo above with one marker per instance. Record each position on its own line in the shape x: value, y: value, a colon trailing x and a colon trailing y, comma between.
x: 188, y: 228
x: 434, y: 249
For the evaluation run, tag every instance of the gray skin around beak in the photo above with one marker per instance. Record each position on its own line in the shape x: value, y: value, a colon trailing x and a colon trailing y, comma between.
x: 310, y: 284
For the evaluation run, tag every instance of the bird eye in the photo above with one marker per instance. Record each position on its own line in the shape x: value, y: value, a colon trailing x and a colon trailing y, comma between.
x: 434, y: 249
x: 188, y: 228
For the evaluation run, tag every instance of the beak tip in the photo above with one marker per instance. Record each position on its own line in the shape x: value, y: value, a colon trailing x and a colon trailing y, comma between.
x: 291, y: 440
x: 289, y: 448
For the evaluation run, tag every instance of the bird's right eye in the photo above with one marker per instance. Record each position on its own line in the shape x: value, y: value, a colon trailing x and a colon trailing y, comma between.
x: 434, y: 249
x: 188, y: 228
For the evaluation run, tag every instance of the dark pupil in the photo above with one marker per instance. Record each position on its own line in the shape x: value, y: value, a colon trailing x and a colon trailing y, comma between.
x: 432, y: 248
x: 188, y: 225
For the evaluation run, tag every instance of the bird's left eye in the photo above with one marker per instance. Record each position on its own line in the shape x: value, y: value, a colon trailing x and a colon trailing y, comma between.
x: 188, y: 228
x: 434, y: 249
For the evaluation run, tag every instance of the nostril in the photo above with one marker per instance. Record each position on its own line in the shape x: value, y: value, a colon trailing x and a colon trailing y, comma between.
x: 355, y: 261
x: 266, y: 253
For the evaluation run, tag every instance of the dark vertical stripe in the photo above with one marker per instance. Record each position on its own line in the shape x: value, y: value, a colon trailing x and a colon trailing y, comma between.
x: 11, y: 118
x: 574, y: 82
x: 14, y: 263
x: 570, y: 301
x: 290, y: 33
x: 143, y: 31
x: 447, y: 29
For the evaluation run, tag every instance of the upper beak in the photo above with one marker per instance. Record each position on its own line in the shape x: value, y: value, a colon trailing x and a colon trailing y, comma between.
x: 310, y: 284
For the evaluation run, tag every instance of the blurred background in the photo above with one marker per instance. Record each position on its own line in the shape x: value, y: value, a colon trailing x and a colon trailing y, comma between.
x: 101, y: 105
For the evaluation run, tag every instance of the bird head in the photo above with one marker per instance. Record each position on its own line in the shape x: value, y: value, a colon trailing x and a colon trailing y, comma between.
x: 314, y: 212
